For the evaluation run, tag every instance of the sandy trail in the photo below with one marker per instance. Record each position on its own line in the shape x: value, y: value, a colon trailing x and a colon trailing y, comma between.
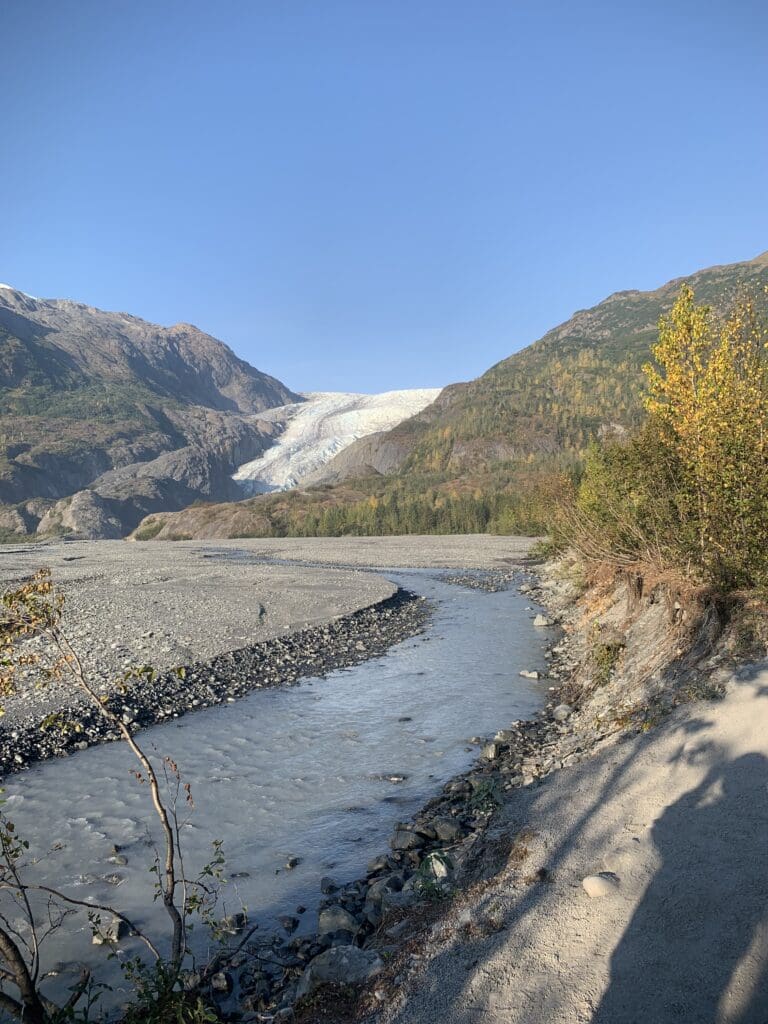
x: 680, y: 815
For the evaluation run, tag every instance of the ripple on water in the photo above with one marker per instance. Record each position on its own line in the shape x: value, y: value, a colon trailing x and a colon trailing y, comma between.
x: 321, y: 772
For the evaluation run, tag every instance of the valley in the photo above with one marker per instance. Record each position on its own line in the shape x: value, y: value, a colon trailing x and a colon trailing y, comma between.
x: 106, y: 418
x: 384, y: 513
x: 110, y: 425
x: 317, y: 430
x: 492, y: 454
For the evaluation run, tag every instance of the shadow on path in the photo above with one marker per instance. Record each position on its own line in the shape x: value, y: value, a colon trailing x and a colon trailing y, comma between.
x: 696, y: 948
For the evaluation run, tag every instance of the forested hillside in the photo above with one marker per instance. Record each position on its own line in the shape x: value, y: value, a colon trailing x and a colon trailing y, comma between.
x: 580, y: 378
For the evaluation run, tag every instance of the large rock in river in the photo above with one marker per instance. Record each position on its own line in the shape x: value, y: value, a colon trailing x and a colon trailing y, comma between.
x: 340, y: 965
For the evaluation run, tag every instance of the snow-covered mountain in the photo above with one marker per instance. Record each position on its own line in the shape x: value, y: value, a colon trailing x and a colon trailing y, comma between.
x: 319, y: 428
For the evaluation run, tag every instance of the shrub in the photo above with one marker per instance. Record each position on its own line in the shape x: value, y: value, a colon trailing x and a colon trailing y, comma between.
x: 689, y: 491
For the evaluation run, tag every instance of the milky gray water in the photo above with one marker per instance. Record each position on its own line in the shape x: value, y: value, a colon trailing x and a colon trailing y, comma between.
x: 296, y: 772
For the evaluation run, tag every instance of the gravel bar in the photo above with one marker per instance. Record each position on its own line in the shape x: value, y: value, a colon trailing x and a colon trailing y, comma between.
x: 234, y: 624
x: 282, y: 661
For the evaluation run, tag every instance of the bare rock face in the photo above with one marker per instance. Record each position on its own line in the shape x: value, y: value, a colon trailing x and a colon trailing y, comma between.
x: 85, y: 514
x: 105, y: 418
x: 12, y: 521
x: 379, y: 453
x: 68, y: 342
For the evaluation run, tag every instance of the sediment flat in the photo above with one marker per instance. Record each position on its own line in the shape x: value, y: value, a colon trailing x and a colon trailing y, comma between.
x: 169, y: 603
x: 454, y: 551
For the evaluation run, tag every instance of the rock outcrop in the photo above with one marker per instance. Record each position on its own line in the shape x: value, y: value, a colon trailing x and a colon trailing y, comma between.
x: 106, y: 418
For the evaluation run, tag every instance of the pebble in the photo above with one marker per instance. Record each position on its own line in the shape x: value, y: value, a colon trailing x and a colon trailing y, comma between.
x: 222, y: 982
x: 603, y: 884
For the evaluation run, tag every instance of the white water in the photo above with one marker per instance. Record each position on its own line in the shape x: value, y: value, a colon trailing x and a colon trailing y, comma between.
x: 320, y: 428
x: 289, y: 772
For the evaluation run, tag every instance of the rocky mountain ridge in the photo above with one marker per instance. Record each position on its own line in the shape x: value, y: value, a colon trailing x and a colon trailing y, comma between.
x: 106, y: 417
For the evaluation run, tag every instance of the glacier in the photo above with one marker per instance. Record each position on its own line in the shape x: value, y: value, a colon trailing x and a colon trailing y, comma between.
x: 320, y: 427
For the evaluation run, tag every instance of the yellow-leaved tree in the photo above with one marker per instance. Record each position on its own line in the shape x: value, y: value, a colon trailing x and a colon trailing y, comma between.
x: 688, y: 492
x: 709, y: 393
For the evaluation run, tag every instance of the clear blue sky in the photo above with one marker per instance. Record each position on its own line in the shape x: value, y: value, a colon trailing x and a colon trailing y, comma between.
x: 371, y: 194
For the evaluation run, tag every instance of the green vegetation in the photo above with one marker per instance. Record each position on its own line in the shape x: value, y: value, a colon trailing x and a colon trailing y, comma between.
x: 605, y: 650
x: 149, y: 529
x: 688, y: 492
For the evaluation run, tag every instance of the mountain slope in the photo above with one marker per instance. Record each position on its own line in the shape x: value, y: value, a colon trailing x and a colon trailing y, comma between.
x: 487, y: 454
x: 84, y: 393
x: 56, y: 342
x: 551, y: 397
x: 319, y: 428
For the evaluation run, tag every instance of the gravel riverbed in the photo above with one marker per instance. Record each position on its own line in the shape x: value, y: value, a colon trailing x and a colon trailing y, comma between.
x: 234, y: 624
x: 361, y: 920
x: 227, y: 613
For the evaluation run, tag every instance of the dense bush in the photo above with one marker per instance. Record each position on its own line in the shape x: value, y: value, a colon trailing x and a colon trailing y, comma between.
x: 689, y: 491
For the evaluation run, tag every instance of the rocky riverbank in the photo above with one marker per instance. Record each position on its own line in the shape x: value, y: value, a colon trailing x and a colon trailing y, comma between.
x: 624, y: 661
x: 365, y: 924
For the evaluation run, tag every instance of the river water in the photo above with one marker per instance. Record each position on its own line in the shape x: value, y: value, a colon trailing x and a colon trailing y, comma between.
x: 303, y: 772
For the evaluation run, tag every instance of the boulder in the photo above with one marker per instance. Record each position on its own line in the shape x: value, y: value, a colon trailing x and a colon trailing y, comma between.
x: 542, y: 620
x: 336, y: 919
x: 397, y: 900
x: 448, y: 831
x: 404, y: 839
x: 340, y: 965
x: 110, y: 932
x: 436, y: 866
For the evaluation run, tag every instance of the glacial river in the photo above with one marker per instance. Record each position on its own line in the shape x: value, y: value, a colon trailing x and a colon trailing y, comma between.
x: 300, y: 772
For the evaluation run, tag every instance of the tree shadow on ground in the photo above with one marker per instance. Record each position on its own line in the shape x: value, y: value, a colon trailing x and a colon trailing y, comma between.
x: 696, y: 947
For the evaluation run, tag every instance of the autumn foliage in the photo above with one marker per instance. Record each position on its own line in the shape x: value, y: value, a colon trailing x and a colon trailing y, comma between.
x: 690, y: 490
